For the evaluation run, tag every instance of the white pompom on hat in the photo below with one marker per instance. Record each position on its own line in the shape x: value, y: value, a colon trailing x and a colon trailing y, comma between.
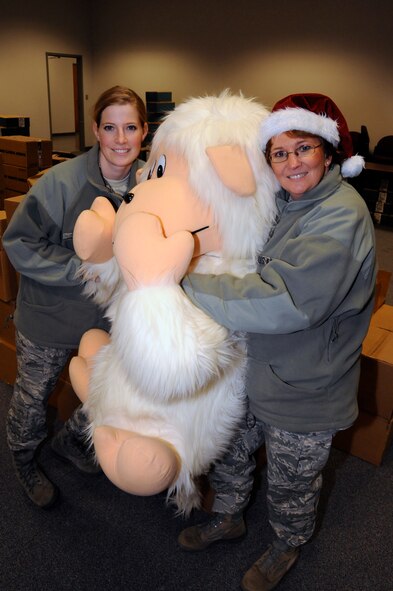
x: 319, y: 115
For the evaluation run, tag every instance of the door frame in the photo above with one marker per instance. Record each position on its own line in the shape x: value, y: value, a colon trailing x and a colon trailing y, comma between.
x: 78, y: 93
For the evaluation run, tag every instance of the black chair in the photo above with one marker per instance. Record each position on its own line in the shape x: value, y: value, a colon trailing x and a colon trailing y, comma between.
x: 361, y: 142
x: 383, y: 151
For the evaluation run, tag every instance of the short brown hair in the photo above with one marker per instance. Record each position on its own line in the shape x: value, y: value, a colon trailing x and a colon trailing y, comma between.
x: 119, y: 95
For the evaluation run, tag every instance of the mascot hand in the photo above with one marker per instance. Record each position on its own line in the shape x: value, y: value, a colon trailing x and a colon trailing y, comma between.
x: 80, y: 365
x: 135, y: 463
x: 93, y: 232
x: 146, y: 257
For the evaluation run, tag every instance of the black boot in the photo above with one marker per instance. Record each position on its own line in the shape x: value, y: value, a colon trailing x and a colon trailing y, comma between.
x: 75, y: 450
x: 220, y: 528
x: 266, y: 573
x: 36, y: 485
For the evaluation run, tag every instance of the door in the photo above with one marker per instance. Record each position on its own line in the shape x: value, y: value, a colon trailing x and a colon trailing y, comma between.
x: 65, y: 98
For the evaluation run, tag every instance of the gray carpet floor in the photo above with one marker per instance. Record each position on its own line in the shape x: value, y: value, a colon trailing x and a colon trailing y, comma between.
x: 100, y: 539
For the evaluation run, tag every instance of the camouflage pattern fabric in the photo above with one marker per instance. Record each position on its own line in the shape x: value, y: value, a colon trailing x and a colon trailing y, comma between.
x: 38, y: 371
x: 294, y: 472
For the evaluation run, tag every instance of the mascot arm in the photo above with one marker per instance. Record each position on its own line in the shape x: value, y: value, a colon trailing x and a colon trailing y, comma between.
x: 80, y: 365
x: 146, y: 257
x: 93, y: 232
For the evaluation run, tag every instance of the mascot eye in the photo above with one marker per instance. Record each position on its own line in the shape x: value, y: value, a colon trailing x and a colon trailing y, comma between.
x: 128, y: 197
x: 161, y: 166
x: 151, y: 171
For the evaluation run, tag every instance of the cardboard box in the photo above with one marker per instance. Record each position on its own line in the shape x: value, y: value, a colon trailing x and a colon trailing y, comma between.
x: 17, y: 185
x: 5, y: 131
x: 158, y: 96
x: 10, y: 205
x: 8, y: 279
x: 7, y: 342
x: 372, y: 432
x: 8, y: 193
x: 154, y: 117
x: 3, y: 225
x: 367, y: 439
x: 33, y: 179
x: 2, y: 181
x: 7, y: 328
x: 25, y: 151
x: 160, y: 106
x: 19, y: 172
x: 381, y: 288
x: 375, y: 395
x: 58, y: 159
x: 9, y: 282
x: 7, y: 362
x: 15, y: 121
x: 18, y: 152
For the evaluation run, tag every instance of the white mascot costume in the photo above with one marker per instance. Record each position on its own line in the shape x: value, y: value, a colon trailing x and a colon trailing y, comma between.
x: 164, y: 391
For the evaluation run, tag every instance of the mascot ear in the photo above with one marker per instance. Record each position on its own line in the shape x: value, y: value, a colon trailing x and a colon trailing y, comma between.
x: 233, y: 167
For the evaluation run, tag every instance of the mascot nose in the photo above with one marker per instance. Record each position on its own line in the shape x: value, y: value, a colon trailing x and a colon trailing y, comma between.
x: 129, y: 197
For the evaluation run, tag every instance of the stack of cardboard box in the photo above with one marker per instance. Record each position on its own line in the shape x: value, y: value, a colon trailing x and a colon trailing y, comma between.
x: 22, y: 157
x: 14, y: 125
x: 8, y: 278
x: 372, y: 432
x: 2, y: 184
x: 158, y: 104
x: 8, y: 289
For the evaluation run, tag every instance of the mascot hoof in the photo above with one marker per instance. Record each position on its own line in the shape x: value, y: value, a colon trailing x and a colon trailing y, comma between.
x: 135, y: 463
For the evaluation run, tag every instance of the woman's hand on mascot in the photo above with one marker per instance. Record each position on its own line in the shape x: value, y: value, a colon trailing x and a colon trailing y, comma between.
x: 146, y: 257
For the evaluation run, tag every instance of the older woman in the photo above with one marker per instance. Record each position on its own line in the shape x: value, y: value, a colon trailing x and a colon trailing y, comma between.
x: 307, y: 311
x: 52, y: 313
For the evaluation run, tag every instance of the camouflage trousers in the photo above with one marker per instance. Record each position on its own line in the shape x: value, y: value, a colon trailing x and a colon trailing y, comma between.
x: 294, y: 476
x: 38, y: 369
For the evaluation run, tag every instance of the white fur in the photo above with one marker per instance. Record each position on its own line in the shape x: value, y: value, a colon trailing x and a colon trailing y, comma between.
x: 302, y: 120
x: 170, y: 371
x: 102, y: 280
x: 185, y: 349
x: 352, y: 166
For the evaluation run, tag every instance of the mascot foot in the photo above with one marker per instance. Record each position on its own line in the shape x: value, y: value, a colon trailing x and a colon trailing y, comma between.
x: 135, y: 463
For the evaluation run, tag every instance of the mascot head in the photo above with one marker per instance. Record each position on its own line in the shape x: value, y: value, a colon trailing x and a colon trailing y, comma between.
x: 213, y: 143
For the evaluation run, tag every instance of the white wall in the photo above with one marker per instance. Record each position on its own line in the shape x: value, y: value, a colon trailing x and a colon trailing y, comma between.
x: 268, y: 49
x: 28, y: 31
x: 265, y: 48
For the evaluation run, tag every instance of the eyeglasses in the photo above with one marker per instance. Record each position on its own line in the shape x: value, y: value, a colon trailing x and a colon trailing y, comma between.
x: 302, y: 152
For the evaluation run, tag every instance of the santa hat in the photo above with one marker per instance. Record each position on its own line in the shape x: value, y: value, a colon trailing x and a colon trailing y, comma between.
x: 319, y: 115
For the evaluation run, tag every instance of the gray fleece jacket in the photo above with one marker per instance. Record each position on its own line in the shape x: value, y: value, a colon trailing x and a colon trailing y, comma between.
x: 51, y: 309
x: 307, y: 310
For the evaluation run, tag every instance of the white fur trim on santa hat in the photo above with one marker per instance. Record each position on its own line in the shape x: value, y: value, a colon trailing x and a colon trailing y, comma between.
x: 352, y: 166
x: 302, y: 120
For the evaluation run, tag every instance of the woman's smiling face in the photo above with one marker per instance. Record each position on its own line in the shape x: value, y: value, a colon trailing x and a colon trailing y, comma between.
x: 302, y: 170
x: 120, y: 135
